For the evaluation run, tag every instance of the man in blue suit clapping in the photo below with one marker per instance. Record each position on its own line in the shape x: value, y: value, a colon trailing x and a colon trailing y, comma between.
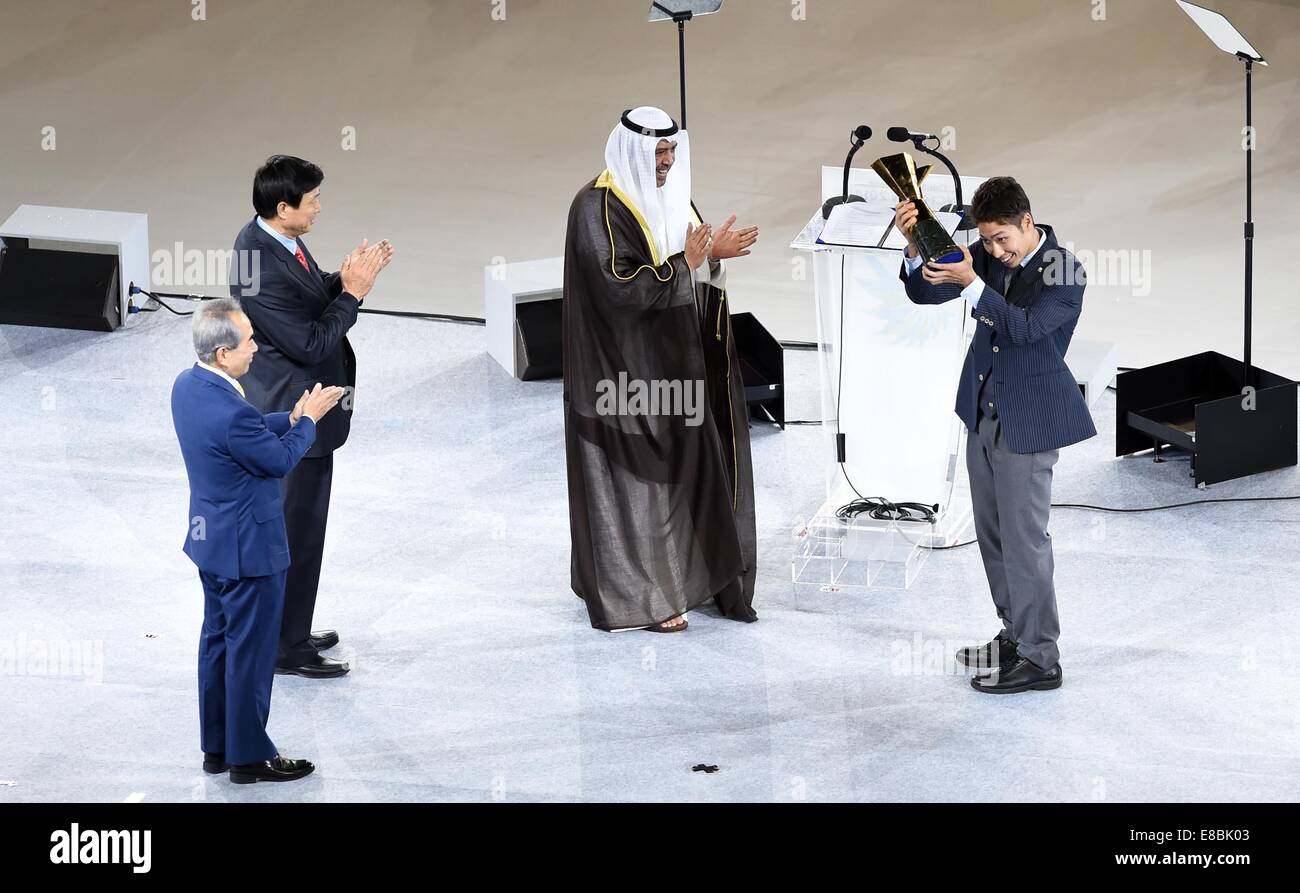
x: 235, y: 457
x: 1021, y: 405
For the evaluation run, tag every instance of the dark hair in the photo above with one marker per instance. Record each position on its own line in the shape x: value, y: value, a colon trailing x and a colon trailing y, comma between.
x: 1000, y: 200
x: 283, y: 178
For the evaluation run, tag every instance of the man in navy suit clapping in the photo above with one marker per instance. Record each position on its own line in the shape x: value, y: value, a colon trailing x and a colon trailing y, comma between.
x: 1021, y: 405
x: 235, y: 457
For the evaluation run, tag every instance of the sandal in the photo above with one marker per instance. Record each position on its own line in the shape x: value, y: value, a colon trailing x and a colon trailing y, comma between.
x: 659, y: 627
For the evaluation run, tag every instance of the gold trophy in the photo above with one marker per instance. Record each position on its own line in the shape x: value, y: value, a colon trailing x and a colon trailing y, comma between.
x: 933, y: 242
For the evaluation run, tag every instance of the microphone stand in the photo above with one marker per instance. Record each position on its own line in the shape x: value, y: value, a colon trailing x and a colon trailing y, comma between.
x: 681, y: 18
x: 845, y: 199
x: 1250, y: 221
x: 959, y: 208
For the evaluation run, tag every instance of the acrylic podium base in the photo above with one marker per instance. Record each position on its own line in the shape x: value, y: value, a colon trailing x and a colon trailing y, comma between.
x: 1197, y: 404
x: 835, y: 555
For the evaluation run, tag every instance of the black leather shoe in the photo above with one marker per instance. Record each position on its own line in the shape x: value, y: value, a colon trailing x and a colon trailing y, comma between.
x: 315, y: 667
x: 1021, y: 675
x: 277, y: 769
x: 998, y: 653
x: 214, y: 763
x: 323, y: 638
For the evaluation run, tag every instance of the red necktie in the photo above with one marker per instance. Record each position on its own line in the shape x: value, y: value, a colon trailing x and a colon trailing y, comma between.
x: 302, y: 259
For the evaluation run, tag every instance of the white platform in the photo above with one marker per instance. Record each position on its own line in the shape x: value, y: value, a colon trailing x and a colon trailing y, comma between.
x: 1093, y: 364
x: 70, y: 229
x: 505, y: 287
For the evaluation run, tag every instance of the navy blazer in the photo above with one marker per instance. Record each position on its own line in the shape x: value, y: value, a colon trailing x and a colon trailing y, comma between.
x: 1019, y: 347
x: 300, y: 320
x: 234, y: 457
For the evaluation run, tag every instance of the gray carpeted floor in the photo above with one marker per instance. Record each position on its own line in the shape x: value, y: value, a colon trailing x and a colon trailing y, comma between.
x: 477, y: 677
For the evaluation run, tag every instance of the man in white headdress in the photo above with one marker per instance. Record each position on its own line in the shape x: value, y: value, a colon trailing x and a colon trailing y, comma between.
x: 661, y: 491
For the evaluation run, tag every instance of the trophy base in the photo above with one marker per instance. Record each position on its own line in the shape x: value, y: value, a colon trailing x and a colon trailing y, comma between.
x: 934, y: 243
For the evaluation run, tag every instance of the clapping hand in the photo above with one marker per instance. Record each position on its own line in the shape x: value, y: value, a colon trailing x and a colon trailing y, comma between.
x: 732, y: 243
x: 315, y: 403
x: 362, y: 266
x: 697, y: 244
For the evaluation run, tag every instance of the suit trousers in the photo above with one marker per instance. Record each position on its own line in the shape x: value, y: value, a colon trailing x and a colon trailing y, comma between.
x: 306, y: 495
x: 237, y: 647
x: 1011, y: 496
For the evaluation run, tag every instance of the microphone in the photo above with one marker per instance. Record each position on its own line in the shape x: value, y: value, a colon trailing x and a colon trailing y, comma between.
x: 860, y: 135
x: 903, y: 135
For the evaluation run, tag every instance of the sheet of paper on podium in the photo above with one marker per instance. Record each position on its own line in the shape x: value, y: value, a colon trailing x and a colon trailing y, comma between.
x: 864, y: 225
x: 857, y: 225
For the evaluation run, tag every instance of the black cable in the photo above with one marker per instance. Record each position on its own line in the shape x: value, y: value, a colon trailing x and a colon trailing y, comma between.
x: 1155, y: 508
x: 405, y: 314
x: 881, y: 509
x: 953, y: 546
x: 156, y: 298
x: 436, y: 317
x: 167, y: 308
x: 183, y: 297
x: 839, y: 383
x: 1177, y: 505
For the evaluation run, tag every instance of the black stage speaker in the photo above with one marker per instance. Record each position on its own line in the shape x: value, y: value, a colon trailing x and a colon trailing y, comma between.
x: 539, y: 349
x: 762, y: 368
x: 1197, y: 404
x: 539, y: 339
x: 59, y: 289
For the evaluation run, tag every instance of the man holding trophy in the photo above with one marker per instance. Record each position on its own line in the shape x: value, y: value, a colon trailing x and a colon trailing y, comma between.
x: 1019, y: 402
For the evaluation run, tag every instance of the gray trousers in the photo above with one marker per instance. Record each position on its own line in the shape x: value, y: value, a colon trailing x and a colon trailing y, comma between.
x: 1011, y: 495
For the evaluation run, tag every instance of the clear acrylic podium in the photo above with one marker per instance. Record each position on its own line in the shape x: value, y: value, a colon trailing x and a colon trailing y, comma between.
x: 889, y: 371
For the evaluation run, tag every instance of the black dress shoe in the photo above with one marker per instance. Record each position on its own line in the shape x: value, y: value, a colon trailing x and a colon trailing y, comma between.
x: 998, y: 653
x: 315, y: 667
x: 1023, y: 675
x: 324, y: 638
x: 214, y: 763
x: 277, y: 769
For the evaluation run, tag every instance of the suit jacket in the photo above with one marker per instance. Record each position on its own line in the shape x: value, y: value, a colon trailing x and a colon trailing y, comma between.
x: 300, y: 320
x: 1019, y: 347
x: 234, y: 457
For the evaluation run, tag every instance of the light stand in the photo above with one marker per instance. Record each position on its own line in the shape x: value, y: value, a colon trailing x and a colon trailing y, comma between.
x: 681, y: 12
x: 1235, y: 420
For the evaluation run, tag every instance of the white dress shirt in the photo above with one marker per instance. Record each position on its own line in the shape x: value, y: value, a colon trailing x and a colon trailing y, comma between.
x: 222, y: 373
x: 290, y: 245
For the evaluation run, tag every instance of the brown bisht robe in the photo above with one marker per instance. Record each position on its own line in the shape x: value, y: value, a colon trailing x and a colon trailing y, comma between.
x: 661, y: 511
